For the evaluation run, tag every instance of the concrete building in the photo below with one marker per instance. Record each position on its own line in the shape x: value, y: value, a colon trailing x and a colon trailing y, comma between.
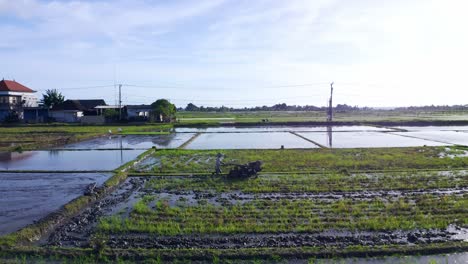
x: 14, y: 97
x: 138, y: 112
x: 72, y: 111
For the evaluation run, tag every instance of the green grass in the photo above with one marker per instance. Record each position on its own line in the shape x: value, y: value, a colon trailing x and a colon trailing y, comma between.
x: 320, y: 182
x: 302, y: 215
x: 309, y: 160
x: 146, y: 133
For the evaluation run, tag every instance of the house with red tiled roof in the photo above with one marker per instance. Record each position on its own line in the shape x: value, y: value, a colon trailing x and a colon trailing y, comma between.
x: 14, y: 97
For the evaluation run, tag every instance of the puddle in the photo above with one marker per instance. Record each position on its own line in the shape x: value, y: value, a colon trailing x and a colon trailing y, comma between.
x: 367, y: 140
x: 132, y: 142
x: 272, y: 140
x: 450, y: 137
x: 56, y: 160
x: 278, y: 129
x: 26, y: 197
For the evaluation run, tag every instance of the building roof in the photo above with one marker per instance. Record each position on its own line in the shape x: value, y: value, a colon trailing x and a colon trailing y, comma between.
x: 108, y: 107
x: 138, y: 106
x: 13, y: 86
x: 79, y: 105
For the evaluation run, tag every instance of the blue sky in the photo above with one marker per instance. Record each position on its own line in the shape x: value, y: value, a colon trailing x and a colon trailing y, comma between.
x: 240, y: 53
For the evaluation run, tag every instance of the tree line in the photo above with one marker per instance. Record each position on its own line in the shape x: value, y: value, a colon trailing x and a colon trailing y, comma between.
x: 338, y: 108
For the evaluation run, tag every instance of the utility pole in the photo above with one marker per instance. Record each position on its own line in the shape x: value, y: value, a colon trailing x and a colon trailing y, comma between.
x: 330, y: 105
x: 120, y: 102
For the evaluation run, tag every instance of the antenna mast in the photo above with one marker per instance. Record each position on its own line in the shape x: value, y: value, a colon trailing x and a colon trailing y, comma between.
x: 120, y: 101
x: 330, y: 104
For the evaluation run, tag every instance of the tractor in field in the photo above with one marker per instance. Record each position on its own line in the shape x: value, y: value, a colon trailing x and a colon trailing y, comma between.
x: 243, y: 171
x: 238, y: 171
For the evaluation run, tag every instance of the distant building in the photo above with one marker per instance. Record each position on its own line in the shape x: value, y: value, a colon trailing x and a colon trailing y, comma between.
x: 36, y: 114
x: 14, y: 97
x: 138, y: 112
x: 74, y: 110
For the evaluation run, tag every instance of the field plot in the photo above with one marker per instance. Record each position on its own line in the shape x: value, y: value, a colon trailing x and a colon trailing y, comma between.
x: 368, y: 140
x: 310, y: 211
x: 432, y: 128
x: 449, y: 137
x: 294, y: 160
x: 271, y: 140
x: 25, y: 197
x: 132, y: 142
x: 55, y: 160
x: 278, y: 129
x: 306, y: 202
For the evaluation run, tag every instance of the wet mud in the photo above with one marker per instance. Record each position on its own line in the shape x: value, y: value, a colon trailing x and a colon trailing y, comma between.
x: 80, y: 230
x: 326, y: 238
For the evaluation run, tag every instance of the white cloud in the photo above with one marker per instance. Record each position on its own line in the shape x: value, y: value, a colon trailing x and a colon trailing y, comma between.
x: 378, y: 52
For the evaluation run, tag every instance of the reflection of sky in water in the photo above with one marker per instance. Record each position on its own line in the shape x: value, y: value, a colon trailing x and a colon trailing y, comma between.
x: 87, y: 160
x: 451, y: 137
x: 278, y: 129
x: 365, y: 140
x: 272, y: 140
x: 173, y: 140
x: 25, y: 197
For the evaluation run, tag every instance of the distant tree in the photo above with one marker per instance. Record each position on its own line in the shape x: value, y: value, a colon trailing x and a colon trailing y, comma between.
x: 191, y: 107
x: 111, y: 114
x: 52, y: 97
x: 163, y: 111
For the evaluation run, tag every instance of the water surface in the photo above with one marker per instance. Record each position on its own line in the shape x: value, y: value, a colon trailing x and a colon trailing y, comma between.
x: 57, y: 160
x: 272, y: 140
x: 366, y: 140
x: 132, y: 142
x: 278, y: 129
x: 27, y: 197
x: 449, y: 137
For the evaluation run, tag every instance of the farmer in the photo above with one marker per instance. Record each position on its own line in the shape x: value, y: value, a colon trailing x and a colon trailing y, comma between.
x: 219, y: 156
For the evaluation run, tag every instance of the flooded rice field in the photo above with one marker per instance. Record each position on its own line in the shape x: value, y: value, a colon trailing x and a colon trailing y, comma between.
x: 448, y: 137
x: 338, y: 206
x: 271, y: 140
x: 330, y: 137
x: 367, y: 140
x: 27, y: 197
x: 278, y: 129
x: 132, y: 142
x: 177, y: 217
x: 453, y: 258
x: 56, y: 160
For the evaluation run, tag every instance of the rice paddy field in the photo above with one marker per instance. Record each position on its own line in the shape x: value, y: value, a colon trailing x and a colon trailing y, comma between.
x: 346, y: 194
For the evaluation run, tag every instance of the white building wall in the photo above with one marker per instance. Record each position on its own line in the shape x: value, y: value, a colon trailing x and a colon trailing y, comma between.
x: 66, y: 116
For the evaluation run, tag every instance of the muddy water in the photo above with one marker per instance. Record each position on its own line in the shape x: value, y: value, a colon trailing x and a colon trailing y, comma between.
x: 278, y: 129
x: 54, y: 160
x: 273, y: 140
x: 26, y: 197
x: 132, y: 142
x: 367, y: 140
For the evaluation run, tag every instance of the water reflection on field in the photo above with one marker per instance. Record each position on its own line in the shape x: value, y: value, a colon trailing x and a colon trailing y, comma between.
x: 132, y: 142
x: 55, y: 160
x: 25, y: 197
x: 272, y: 140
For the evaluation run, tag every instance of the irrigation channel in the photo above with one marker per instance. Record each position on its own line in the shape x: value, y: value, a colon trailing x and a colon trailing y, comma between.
x: 145, y: 211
